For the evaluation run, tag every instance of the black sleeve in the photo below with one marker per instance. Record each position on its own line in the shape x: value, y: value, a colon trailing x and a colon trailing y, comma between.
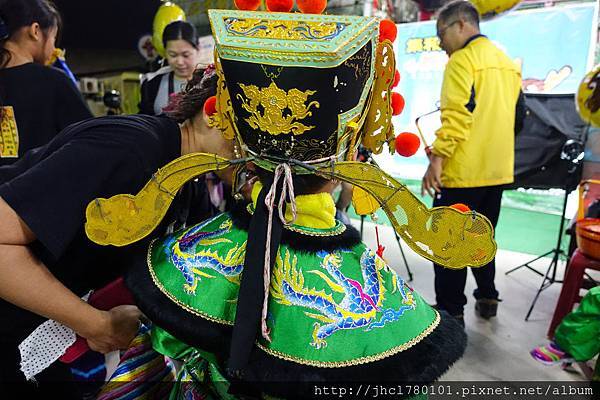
x: 51, y: 197
x: 146, y: 105
x: 28, y: 160
x: 70, y: 105
x: 520, y: 113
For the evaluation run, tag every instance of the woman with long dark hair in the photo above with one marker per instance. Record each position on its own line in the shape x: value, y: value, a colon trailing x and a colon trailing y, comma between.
x: 36, y: 101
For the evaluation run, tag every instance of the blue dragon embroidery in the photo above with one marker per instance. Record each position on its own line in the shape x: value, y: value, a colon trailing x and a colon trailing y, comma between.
x: 194, y: 264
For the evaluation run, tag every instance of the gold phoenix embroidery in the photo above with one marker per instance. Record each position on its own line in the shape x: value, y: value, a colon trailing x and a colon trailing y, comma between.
x: 281, y: 110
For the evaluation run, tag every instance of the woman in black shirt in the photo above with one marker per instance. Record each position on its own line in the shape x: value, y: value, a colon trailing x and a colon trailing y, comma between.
x: 46, y: 260
x: 36, y: 102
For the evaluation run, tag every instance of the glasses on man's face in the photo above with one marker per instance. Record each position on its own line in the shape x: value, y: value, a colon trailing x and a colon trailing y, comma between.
x: 442, y: 32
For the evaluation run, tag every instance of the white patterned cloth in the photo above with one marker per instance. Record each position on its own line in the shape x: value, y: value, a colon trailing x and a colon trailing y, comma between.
x: 46, y: 344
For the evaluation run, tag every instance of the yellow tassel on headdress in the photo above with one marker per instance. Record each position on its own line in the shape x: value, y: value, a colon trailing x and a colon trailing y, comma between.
x: 223, y: 117
x: 378, y: 128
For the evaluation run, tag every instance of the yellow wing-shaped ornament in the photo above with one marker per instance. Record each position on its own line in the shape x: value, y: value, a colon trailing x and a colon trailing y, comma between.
x: 124, y: 219
x: 443, y: 235
x: 363, y: 202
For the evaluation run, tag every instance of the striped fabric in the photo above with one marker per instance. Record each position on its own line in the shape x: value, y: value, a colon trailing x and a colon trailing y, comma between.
x: 142, y: 373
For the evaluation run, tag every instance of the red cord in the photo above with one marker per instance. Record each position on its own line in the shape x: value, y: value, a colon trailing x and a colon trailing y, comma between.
x: 380, y: 248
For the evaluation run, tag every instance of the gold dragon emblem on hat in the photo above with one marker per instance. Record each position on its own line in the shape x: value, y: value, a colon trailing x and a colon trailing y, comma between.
x: 275, y: 111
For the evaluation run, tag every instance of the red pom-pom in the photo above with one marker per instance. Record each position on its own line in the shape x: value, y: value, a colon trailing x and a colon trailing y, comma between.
x: 397, y: 103
x: 396, y: 78
x: 279, y: 5
x: 210, y: 106
x: 461, y: 207
x: 407, y: 144
x: 311, y: 6
x: 248, y: 5
x: 387, y: 30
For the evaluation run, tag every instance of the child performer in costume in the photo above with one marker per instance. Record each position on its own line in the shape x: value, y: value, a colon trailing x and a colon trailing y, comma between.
x: 278, y: 290
x: 577, y: 338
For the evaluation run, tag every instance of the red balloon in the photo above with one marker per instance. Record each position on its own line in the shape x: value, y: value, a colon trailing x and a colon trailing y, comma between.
x: 407, y: 144
x: 387, y: 30
x: 461, y: 207
x: 397, y: 103
x: 311, y: 6
x: 279, y: 5
x: 248, y: 5
x: 210, y: 106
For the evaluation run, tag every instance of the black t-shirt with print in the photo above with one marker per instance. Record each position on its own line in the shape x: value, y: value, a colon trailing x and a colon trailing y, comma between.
x: 51, y: 186
x: 43, y: 101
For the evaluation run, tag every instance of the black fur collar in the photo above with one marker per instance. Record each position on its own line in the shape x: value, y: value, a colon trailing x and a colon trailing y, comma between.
x: 297, y: 241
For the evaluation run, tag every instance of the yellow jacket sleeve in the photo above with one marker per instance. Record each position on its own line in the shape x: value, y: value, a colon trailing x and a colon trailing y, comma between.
x: 456, y: 93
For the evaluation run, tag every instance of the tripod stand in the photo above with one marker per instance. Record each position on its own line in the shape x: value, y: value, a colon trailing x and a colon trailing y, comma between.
x: 572, y: 151
x: 408, y: 271
x: 550, y: 276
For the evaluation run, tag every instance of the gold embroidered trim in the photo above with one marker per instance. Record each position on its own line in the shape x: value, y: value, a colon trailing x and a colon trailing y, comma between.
x: 173, y: 298
x: 290, y: 53
x: 337, y: 230
x: 358, y: 361
x: 283, y: 29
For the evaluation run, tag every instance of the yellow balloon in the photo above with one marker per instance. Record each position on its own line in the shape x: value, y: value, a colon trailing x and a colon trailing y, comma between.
x: 492, y: 8
x: 588, y: 97
x: 168, y: 12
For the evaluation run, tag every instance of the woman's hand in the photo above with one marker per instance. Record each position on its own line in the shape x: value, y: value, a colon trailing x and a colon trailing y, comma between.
x: 113, y: 329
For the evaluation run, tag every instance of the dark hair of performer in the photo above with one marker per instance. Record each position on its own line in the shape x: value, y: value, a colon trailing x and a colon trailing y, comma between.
x: 188, y: 103
x: 186, y: 108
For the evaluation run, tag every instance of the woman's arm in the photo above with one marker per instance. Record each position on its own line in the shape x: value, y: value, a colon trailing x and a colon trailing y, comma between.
x: 27, y: 283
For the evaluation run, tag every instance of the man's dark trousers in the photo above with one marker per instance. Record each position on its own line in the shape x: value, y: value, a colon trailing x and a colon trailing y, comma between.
x: 449, y: 283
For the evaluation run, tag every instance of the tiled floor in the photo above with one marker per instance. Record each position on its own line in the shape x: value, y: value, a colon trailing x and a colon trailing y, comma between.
x: 498, y: 349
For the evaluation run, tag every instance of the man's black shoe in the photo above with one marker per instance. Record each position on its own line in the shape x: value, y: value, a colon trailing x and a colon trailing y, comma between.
x: 460, y: 319
x: 486, y: 308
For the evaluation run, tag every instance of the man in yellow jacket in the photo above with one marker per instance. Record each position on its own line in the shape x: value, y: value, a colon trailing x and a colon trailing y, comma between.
x: 473, y: 155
